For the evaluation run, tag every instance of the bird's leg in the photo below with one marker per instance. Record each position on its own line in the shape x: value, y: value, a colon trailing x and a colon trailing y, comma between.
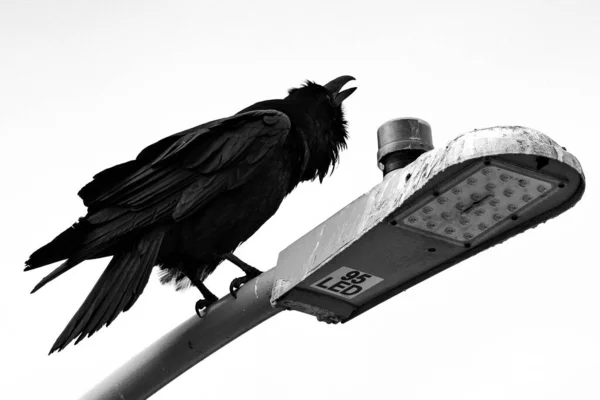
x: 208, y: 297
x: 249, y: 270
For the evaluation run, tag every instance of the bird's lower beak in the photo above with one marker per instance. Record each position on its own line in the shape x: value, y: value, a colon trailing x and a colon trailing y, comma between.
x: 336, y: 85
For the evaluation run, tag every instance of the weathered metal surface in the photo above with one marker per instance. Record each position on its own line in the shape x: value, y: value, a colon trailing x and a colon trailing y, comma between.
x: 359, y: 236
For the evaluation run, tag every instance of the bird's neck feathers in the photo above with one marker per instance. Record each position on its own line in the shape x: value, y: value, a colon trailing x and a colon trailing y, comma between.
x: 323, y: 147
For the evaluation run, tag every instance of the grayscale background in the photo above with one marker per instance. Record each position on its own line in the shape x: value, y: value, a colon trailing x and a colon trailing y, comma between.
x: 87, y: 84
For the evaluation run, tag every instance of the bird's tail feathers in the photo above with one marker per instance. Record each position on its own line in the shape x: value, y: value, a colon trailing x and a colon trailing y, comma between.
x: 117, y: 290
x: 61, y: 269
x: 83, y: 241
x: 62, y: 247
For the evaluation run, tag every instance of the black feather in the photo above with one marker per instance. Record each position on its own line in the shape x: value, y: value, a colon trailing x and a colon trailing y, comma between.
x: 62, y: 247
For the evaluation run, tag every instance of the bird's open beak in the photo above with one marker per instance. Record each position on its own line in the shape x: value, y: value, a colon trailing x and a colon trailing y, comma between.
x: 336, y: 85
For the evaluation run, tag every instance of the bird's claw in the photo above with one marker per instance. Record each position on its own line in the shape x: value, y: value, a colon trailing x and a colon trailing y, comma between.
x: 249, y: 270
x: 202, y: 305
x: 237, y: 283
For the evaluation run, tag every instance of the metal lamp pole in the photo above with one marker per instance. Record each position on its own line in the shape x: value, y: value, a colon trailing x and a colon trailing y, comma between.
x: 190, y: 343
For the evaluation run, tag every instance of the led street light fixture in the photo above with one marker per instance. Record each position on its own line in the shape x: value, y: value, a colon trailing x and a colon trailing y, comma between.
x: 449, y: 204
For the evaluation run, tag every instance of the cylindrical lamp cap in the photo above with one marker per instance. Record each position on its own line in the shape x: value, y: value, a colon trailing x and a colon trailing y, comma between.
x: 403, y: 134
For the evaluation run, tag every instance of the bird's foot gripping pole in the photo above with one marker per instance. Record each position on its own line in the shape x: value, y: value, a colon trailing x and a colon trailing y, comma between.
x: 190, y: 343
x: 249, y: 270
x: 208, y: 298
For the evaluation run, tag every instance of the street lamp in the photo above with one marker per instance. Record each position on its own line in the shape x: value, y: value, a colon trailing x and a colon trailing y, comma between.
x: 433, y: 209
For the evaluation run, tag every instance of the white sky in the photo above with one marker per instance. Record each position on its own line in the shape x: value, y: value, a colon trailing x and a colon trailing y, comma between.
x: 85, y: 85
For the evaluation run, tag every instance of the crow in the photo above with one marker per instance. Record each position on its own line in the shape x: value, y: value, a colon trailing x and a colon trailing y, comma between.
x: 189, y: 200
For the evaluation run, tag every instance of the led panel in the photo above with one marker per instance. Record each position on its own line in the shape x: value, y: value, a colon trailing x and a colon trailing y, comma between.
x: 478, y: 202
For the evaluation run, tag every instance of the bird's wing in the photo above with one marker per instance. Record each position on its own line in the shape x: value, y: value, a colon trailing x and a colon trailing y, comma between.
x: 196, y: 164
x: 172, y: 178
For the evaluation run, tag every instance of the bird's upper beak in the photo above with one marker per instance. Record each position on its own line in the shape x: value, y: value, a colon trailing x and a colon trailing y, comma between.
x: 336, y: 85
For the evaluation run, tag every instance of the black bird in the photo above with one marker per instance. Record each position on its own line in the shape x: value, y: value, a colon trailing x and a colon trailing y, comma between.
x: 189, y: 200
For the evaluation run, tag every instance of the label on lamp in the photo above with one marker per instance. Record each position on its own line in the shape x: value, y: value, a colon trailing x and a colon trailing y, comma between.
x: 347, y: 282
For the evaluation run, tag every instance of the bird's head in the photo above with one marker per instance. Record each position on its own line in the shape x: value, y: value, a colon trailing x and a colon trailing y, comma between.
x: 322, y: 106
